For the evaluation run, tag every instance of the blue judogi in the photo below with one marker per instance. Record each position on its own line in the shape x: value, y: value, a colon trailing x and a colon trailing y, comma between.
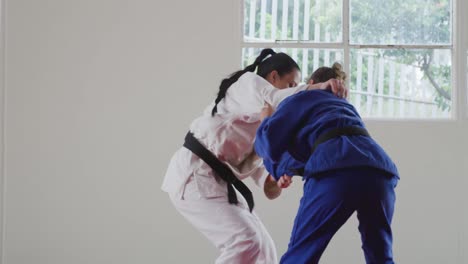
x: 343, y: 175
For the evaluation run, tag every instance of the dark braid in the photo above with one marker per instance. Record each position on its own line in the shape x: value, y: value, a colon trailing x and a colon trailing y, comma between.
x: 226, y: 83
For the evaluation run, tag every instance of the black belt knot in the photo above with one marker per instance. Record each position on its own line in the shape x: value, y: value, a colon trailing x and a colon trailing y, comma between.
x: 221, y: 169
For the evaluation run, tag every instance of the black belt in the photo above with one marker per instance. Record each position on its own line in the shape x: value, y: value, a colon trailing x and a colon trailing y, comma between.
x: 221, y: 169
x: 339, y: 131
x: 330, y: 134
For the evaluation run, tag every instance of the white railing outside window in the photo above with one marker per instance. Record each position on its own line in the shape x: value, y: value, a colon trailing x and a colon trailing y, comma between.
x: 398, y: 54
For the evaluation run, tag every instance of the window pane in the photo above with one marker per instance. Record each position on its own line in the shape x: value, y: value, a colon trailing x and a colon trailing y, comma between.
x: 307, y: 59
x: 401, y: 83
x: 400, y: 22
x: 308, y: 20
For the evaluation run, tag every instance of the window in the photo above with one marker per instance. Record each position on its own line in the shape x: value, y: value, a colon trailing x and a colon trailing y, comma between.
x: 398, y: 54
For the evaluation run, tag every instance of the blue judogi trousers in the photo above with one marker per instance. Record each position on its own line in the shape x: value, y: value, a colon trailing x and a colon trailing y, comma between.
x: 330, y: 199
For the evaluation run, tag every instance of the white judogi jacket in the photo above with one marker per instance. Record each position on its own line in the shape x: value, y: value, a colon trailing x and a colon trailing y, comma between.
x: 230, y: 135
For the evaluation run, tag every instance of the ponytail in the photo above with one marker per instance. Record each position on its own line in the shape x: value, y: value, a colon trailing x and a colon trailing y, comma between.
x: 226, y: 83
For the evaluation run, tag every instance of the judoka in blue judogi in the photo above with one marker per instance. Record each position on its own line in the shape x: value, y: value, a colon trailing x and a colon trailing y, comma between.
x: 322, y: 137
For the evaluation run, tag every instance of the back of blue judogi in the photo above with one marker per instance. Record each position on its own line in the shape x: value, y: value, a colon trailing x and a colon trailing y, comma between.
x: 284, y: 140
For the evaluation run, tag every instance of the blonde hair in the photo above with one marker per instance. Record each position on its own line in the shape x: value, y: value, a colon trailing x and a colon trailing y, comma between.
x: 324, y: 74
x: 338, y: 69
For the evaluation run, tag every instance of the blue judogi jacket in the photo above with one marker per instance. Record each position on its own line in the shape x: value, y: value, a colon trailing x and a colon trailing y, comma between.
x: 285, y: 139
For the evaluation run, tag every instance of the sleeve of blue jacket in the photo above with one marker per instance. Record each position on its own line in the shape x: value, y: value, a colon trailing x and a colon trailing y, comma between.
x: 276, y: 132
x: 286, y: 165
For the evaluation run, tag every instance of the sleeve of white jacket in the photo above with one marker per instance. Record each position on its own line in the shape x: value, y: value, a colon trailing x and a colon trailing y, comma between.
x: 259, y: 176
x: 252, y: 167
x: 275, y: 96
x: 255, y: 90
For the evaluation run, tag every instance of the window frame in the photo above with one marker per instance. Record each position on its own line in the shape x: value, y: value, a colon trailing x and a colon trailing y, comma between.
x: 458, y: 45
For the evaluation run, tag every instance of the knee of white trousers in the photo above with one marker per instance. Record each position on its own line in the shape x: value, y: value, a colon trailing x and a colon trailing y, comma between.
x: 254, y: 243
x: 243, y: 248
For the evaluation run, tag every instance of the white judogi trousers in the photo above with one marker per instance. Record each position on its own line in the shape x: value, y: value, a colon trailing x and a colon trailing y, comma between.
x: 238, y: 234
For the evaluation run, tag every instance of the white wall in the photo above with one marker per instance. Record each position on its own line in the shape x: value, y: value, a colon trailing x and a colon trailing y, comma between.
x: 99, y: 94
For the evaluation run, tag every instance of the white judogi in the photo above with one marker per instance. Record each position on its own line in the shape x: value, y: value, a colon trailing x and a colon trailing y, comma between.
x: 201, y: 196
